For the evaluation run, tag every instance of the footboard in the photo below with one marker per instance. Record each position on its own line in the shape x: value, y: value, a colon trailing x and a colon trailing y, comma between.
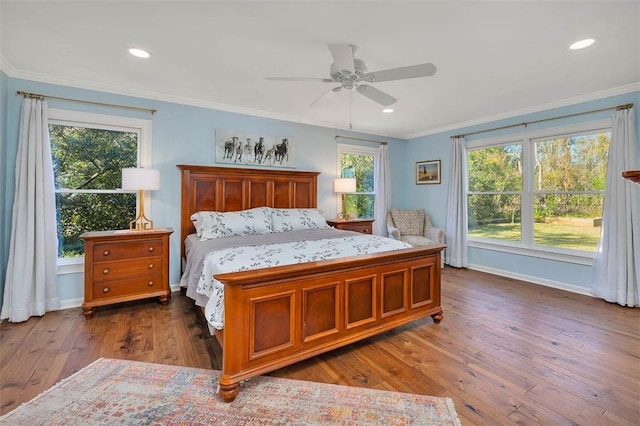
x: 277, y: 316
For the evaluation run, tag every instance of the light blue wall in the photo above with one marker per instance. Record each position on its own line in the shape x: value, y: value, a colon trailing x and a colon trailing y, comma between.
x: 433, y: 198
x: 4, y: 243
x: 185, y: 135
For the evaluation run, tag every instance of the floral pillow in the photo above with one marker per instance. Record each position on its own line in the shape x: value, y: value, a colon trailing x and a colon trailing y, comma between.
x: 211, y: 225
x: 297, y: 220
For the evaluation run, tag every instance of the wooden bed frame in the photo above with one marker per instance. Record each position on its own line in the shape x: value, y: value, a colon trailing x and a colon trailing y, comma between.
x: 277, y: 316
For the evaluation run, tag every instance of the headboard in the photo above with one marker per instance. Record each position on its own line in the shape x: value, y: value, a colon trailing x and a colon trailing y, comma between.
x: 226, y: 189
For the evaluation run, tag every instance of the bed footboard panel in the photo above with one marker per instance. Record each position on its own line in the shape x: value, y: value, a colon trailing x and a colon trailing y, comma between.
x: 278, y: 316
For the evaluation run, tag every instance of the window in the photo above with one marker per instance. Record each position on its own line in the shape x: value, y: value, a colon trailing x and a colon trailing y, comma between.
x: 358, y: 162
x: 543, y: 192
x: 495, y: 192
x: 88, y: 153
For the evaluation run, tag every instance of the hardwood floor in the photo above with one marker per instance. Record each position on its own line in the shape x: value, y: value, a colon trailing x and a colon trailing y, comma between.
x: 506, y: 352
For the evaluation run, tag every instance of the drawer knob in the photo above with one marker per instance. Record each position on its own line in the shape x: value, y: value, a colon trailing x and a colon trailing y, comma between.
x: 151, y: 266
x: 151, y: 249
x: 105, y: 290
x: 105, y: 271
x: 106, y: 252
x: 150, y: 283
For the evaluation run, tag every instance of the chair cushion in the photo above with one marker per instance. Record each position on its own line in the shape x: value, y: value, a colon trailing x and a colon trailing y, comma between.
x: 417, y: 241
x: 409, y: 222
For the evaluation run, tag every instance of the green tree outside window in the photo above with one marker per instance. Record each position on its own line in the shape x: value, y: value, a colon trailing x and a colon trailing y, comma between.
x: 87, y: 165
x: 359, y: 166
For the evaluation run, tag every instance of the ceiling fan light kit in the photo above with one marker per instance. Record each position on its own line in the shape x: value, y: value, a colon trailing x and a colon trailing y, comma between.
x: 351, y: 72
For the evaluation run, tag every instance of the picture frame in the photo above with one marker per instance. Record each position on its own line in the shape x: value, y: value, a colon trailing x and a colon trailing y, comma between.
x: 252, y: 149
x: 428, y: 172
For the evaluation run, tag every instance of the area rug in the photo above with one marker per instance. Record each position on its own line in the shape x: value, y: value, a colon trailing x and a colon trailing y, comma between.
x: 117, y: 392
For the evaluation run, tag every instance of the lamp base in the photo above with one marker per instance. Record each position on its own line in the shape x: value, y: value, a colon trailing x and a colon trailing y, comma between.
x: 141, y: 223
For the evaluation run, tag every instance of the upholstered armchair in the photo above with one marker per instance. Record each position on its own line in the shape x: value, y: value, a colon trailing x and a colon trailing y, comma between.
x: 413, y: 227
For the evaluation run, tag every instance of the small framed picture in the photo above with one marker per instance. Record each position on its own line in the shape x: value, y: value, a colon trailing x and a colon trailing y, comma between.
x: 427, y: 172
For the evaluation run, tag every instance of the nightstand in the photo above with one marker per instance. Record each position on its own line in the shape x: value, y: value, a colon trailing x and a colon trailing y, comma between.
x: 124, y: 265
x: 358, y: 225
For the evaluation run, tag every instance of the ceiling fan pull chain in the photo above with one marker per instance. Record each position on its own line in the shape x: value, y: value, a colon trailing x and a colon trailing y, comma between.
x: 350, y: 122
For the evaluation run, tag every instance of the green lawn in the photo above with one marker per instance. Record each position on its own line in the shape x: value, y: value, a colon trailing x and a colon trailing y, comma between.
x: 568, y: 236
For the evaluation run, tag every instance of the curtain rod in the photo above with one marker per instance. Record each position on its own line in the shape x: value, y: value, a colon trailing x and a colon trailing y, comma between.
x: 360, y: 139
x: 525, y: 124
x: 38, y: 96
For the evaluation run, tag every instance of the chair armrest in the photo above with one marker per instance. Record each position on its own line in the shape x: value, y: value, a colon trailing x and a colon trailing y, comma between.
x: 394, y: 233
x: 436, y: 234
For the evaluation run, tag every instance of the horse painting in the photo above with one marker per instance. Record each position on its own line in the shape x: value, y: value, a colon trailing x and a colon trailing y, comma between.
x: 239, y: 148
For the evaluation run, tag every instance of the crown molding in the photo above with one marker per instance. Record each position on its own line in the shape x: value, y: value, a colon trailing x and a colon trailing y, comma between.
x: 629, y: 88
x: 6, y: 67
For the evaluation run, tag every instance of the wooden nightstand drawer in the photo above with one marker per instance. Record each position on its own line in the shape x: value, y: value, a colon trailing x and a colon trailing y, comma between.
x: 136, y: 285
x: 105, y: 271
x: 127, y: 250
x: 365, y: 229
x: 364, y: 226
x: 124, y: 265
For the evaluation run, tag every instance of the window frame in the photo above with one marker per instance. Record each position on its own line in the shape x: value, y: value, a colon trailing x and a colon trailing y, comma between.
x: 142, y: 127
x: 343, y: 148
x: 528, y: 139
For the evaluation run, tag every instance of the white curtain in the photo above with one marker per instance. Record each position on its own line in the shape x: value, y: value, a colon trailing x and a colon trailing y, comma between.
x: 30, y: 286
x: 616, y: 269
x: 456, y: 223
x: 382, y: 173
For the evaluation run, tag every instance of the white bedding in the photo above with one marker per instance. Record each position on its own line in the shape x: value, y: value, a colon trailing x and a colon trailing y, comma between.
x: 265, y: 255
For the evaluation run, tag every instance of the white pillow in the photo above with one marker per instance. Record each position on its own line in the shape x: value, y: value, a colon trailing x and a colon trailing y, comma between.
x: 283, y: 220
x: 211, y: 225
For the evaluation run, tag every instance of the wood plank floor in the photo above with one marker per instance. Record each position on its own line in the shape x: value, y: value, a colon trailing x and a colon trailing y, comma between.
x: 507, y: 352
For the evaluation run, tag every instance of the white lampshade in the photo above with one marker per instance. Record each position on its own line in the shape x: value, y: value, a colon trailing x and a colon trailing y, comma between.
x: 140, y: 179
x: 342, y: 185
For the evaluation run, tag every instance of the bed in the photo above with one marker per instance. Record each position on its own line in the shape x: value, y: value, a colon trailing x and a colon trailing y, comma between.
x: 279, y: 315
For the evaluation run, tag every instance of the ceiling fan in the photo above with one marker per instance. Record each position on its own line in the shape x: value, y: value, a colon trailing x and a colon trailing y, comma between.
x: 351, y: 72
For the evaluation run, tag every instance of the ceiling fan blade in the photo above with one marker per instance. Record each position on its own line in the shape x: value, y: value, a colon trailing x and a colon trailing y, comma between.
x: 376, y: 95
x: 326, y: 96
x: 343, y: 57
x: 412, y: 71
x: 324, y: 80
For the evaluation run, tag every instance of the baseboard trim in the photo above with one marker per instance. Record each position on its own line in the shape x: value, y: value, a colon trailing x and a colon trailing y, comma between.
x: 534, y: 280
x: 71, y: 303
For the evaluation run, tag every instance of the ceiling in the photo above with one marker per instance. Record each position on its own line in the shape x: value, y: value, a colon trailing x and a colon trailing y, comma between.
x: 493, y: 59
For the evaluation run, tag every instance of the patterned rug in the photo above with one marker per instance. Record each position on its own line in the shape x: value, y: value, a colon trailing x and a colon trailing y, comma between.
x: 112, y: 392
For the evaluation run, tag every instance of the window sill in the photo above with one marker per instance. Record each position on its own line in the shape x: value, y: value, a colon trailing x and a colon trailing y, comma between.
x: 72, y: 265
x: 569, y: 256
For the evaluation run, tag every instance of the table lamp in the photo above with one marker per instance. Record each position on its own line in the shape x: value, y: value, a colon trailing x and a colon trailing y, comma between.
x: 342, y: 186
x: 140, y: 179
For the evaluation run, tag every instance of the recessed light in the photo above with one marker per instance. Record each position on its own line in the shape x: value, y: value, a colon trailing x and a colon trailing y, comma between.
x: 387, y: 110
x: 139, y: 53
x: 582, y: 44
